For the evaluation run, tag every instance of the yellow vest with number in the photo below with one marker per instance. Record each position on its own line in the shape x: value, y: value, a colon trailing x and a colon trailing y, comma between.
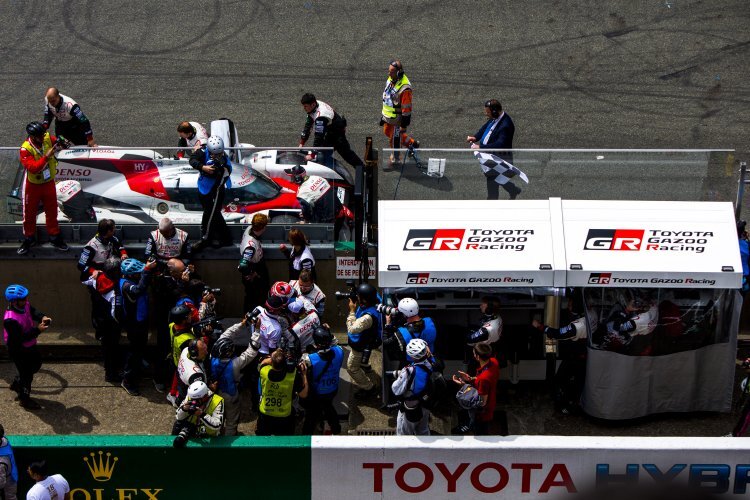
x: 212, y: 404
x: 276, y: 399
x: 391, y: 94
x: 51, y: 162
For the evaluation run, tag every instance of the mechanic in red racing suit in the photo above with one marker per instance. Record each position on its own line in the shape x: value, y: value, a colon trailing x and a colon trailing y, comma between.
x: 37, y: 156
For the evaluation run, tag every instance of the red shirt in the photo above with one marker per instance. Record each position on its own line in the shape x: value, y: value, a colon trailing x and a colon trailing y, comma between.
x: 486, y: 384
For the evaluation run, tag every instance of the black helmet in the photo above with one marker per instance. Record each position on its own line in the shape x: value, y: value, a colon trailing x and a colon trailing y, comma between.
x: 178, y: 314
x: 367, y: 292
x: 297, y: 173
x: 35, y: 129
x: 223, y: 348
x: 322, y: 337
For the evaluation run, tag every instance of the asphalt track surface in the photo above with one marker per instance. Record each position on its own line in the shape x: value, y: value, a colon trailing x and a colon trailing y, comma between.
x: 604, y: 74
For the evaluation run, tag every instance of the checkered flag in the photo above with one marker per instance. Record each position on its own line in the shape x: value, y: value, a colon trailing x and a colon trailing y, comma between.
x: 504, y: 171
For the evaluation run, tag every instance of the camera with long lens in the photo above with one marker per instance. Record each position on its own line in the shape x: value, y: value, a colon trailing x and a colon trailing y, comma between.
x: 292, y: 351
x: 215, y: 291
x: 210, y: 326
x: 350, y: 293
x: 386, y: 309
x: 191, y: 406
x: 182, y: 438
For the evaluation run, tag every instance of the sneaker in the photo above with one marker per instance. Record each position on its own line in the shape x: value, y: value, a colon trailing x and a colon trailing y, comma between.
x: 30, y: 404
x: 59, y: 244
x: 130, y: 388
x: 172, y: 399
x: 161, y: 388
x: 366, y: 393
x: 26, y: 245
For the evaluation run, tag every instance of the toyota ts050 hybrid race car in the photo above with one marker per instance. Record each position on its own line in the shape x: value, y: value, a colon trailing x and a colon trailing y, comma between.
x: 132, y: 186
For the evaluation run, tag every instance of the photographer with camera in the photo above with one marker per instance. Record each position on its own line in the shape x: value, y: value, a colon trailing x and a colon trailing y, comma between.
x: 19, y: 335
x: 413, y: 387
x: 404, y: 324
x: 133, y: 295
x: 226, y: 370
x: 323, y: 373
x: 280, y: 380
x: 200, y: 415
x: 215, y: 169
x: 363, y: 325
x: 252, y: 266
x: 37, y: 156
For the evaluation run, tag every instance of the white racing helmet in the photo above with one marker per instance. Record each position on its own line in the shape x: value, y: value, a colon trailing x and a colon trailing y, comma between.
x: 197, y: 390
x: 408, y: 307
x: 417, y: 349
x: 215, y: 145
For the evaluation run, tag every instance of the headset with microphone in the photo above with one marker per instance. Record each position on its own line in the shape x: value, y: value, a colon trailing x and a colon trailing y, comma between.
x: 399, y: 69
x: 495, y: 107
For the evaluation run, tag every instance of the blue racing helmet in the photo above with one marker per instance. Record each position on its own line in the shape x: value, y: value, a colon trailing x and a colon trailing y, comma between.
x: 131, y: 266
x: 16, y: 292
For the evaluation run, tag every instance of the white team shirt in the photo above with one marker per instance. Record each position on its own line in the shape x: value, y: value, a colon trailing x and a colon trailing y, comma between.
x: 53, y: 488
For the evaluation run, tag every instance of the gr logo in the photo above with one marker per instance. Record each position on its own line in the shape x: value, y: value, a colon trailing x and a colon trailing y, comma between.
x: 434, y: 239
x: 599, y: 278
x: 417, y: 278
x: 614, y: 239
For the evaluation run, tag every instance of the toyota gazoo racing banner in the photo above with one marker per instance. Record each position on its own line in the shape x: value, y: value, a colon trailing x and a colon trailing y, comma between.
x: 465, y: 243
x: 651, y: 244
x: 523, y: 467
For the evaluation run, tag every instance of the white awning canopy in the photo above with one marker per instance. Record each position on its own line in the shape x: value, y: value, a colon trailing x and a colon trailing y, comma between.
x: 651, y: 244
x: 466, y: 244
x: 556, y: 243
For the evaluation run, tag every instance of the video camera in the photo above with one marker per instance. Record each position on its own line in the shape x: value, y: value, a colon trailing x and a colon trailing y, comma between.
x: 199, y: 328
x: 293, y: 351
x: 351, y: 293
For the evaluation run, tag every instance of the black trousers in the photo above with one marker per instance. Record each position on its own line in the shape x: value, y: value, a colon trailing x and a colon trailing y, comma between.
x: 317, y: 406
x: 212, y: 204
x: 163, y: 364
x: 493, y: 189
x: 137, y: 340
x: 256, y: 289
x: 107, y: 332
x: 274, y: 426
x: 340, y: 144
x: 71, y: 130
x: 28, y: 361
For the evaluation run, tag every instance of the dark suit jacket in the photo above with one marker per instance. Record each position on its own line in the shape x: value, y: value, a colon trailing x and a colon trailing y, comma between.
x: 500, y: 138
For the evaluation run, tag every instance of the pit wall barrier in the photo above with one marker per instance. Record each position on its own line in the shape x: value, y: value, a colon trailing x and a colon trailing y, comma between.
x: 325, y: 467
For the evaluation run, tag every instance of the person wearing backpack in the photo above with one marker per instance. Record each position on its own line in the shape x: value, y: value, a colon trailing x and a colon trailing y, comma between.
x: 323, y: 379
x: 413, y: 386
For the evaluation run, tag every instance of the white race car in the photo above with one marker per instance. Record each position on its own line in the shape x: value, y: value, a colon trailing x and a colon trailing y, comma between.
x: 132, y: 186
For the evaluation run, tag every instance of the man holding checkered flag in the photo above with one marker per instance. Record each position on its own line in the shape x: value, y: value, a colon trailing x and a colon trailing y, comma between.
x: 497, y: 133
